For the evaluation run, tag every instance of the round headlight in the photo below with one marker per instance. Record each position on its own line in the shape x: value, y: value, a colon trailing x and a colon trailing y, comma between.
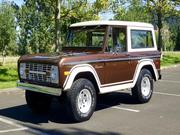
x: 54, y: 74
x: 22, y: 70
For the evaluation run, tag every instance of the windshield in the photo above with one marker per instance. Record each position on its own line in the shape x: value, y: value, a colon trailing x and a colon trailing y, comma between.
x: 88, y: 37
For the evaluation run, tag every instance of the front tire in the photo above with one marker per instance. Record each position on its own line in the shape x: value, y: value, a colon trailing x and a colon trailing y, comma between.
x: 143, y: 90
x: 81, y: 99
x: 38, y: 102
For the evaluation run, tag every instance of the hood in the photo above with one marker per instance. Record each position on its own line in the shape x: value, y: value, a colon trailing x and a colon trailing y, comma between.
x: 49, y: 58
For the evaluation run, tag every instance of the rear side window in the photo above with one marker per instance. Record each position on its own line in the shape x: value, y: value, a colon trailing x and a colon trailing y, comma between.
x: 141, y: 39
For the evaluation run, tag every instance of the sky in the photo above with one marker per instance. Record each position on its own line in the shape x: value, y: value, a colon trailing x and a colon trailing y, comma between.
x: 103, y: 16
x: 18, y: 2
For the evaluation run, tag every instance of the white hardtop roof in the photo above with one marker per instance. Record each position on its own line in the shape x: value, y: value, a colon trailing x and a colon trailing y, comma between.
x: 112, y: 23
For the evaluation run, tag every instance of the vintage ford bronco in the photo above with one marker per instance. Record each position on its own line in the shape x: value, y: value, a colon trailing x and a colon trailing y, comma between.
x: 98, y: 57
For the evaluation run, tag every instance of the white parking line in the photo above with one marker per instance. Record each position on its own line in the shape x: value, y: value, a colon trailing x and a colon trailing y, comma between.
x: 167, y: 94
x: 120, y: 108
x: 18, y: 127
x: 13, y: 130
x: 125, y: 109
x: 171, y: 81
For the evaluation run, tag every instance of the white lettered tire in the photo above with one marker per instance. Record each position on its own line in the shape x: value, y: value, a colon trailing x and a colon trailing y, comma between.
x: 143, y: 89
x: 81, y: 99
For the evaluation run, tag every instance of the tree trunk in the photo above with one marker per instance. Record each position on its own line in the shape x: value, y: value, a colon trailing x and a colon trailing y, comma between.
x: 177, y: 47
x: 4, y: 54
x: 160, y: 26
x: 57, y: 26
x: 3, y: 60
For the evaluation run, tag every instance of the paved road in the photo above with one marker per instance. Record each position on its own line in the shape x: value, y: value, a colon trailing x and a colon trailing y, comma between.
x: 116, y: 114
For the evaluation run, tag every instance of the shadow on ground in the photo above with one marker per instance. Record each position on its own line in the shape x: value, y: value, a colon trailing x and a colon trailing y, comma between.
x: 71, y: 131
x: 58, y: 114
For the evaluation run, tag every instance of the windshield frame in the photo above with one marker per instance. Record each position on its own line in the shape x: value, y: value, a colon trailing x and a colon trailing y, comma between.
x: 104, y: 41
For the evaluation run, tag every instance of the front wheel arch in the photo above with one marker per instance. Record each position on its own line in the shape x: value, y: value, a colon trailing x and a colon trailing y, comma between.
x: 89, y: 76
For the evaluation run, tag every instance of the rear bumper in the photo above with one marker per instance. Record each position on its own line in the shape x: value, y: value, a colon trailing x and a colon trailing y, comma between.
x: 38, y: 88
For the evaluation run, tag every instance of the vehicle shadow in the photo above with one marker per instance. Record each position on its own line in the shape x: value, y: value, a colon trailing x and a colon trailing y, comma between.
x: 116, y: 98
x: 72, y: 131
x: 58, y: 113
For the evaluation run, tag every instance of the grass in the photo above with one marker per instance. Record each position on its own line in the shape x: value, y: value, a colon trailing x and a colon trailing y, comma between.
x: 8, y: 76
x: 8, y: 73
x: 170, y: 58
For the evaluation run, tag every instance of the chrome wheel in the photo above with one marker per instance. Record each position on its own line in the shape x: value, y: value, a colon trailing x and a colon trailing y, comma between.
x: 84, y: 101
x: 145, y: 86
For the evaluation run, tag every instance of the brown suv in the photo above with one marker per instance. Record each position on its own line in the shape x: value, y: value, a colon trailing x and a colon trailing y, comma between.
x: 98, y: 57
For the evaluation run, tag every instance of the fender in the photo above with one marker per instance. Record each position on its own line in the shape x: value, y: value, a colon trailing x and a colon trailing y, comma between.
x: 79, y: 69
x: 140, y: 65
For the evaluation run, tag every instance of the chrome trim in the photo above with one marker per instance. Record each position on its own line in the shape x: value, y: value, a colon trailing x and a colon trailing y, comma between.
x: 116, y: 83
x: 38, y: 88
x: 110, y: 60
x: 37, y: 72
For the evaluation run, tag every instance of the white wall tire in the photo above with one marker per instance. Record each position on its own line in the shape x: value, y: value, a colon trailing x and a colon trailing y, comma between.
x: 81, y: 99
x: 143, y: 90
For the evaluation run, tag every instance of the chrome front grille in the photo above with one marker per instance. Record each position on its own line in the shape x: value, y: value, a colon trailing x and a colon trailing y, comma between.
x: 38, y: 72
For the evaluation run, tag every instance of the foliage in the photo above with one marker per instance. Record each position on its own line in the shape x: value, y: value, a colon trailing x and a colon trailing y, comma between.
x: 170, y: 58
x: 160, y: 10
x: 7, y: 30
x: 130, y: 10
x: 166, y: 37
x: 38, y: 26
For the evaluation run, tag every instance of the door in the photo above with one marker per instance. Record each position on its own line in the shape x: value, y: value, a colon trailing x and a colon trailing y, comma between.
x: 117, y: 62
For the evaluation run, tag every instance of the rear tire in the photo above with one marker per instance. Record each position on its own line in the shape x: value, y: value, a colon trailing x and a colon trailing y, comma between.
x: 38, y: 102
x: 81, y: 99
x: 143, y: 90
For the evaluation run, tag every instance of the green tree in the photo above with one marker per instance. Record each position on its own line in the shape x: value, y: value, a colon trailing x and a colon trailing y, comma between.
x: 35, y: 19
x: 130, y: 10
x: 160, y: 10
x: 41, y: 26
x: 7, y: 30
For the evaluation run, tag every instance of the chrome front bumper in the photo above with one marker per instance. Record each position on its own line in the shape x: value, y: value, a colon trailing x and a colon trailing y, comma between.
x: 38, y: 88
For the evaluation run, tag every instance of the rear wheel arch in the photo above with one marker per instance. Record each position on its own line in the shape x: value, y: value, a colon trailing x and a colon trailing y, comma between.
x: 149, y: 65
x: 150, y: 68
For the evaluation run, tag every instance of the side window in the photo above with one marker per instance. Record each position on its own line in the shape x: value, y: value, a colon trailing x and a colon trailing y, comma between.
x: 141, y: 39
x: 95, y: 38
x: 117, y: 40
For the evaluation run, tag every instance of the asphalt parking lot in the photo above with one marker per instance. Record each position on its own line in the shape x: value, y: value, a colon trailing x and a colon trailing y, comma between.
x: 116, y: 113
